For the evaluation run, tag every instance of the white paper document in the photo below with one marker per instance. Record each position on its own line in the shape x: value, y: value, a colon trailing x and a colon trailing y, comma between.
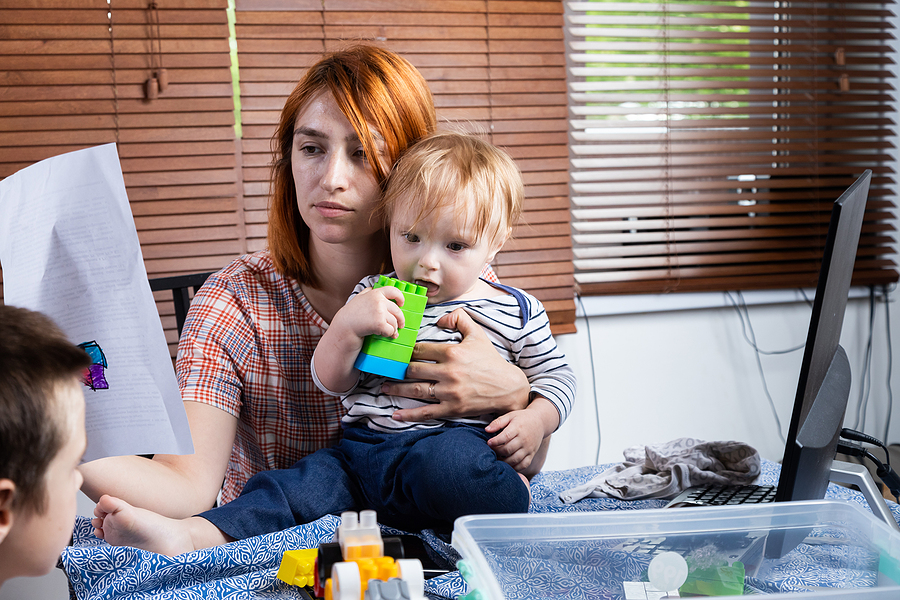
x: 69, y: 249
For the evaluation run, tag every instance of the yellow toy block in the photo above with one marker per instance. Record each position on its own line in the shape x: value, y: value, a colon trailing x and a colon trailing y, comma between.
x: 298, y: 567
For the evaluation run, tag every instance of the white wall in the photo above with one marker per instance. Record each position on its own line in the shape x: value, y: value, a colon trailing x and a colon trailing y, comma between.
x: 663, y: 375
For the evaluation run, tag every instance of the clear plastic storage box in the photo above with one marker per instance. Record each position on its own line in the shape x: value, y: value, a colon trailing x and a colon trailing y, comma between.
x: 820, y: 549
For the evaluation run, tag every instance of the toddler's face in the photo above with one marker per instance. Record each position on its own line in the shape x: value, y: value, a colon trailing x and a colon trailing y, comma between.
x: 439, y: 253
x: 47, y: 533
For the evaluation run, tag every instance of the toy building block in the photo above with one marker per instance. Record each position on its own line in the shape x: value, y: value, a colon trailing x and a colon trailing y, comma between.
x: 390, y: 357
x: 358, y: 558
x: 350, y: 580
x: 298, y: 567
x: 360, y: 537
x: 392, y: 589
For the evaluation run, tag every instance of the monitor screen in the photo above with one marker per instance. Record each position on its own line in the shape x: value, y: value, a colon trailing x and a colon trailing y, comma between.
x: 824, y: 385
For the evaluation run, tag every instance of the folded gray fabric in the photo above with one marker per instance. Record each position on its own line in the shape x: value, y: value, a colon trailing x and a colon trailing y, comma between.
x: 664, y: 470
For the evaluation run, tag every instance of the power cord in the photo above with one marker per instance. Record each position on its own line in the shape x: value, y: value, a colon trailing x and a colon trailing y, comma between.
x: 859, y: 436
x: 866, y: 375
x: 890, y: 361
x: 587, y: 324
x: 740, y: 306
x: 854, y: 447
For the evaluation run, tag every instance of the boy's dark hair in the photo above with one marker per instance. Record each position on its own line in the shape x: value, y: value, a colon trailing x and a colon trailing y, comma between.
x: 36, y: 359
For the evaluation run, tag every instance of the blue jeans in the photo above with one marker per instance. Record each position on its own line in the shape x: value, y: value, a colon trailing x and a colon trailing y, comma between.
x: 417, y: 479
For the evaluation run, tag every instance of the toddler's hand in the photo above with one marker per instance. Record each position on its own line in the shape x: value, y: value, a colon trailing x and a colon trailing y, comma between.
x: 520, y: 438
x: 372, y: 312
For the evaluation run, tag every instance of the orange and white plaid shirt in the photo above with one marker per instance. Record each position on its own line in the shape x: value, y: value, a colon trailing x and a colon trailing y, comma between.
x: 246, y: 348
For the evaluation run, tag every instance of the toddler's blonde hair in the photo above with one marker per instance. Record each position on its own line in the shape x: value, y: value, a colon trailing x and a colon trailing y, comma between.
x: 444, y: 170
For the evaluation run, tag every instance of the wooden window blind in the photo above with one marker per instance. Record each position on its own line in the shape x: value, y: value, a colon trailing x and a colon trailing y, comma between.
x: 494, y: 67
x: 709, y: 139
x: 75, y: 72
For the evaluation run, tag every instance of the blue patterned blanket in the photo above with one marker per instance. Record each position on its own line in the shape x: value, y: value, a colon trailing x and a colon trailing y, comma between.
x: 246, y: 569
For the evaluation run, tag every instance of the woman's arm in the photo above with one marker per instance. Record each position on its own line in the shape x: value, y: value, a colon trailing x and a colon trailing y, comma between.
x: 172, y: 485
x: 471, y: 378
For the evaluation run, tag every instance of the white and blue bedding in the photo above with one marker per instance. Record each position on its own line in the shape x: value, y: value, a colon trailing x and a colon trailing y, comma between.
x: 246, y: 569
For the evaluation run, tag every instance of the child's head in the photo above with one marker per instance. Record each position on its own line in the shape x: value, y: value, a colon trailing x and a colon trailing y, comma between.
x: 42, y: 440
x: 452, y: 200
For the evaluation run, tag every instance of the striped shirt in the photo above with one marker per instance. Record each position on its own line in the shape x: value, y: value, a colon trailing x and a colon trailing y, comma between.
x: 519, y: 329
x: 246, y: 348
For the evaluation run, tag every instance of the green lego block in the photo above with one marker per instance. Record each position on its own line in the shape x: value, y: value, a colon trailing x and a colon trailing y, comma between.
x: 722, y: 580
x: 414, y: 298
x: 405, y: 337
x: 383, y: 348
x: 412, y: 320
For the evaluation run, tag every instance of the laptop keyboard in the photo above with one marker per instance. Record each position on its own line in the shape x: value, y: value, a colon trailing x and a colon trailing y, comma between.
x: 717, y: 495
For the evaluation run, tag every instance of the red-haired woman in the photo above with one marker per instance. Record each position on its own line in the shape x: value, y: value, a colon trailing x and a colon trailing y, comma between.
x: 243, y: 358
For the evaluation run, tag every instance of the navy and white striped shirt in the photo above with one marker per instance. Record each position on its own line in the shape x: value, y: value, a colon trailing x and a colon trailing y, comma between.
x: 517, y: 325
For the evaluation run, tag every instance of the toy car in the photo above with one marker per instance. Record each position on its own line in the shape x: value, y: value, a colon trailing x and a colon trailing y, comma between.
x: 349, y: 568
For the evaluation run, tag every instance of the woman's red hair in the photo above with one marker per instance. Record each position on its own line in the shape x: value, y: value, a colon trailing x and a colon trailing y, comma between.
x: 372, y: 86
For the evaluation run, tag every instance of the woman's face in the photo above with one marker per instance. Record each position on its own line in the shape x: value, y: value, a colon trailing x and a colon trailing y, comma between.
x: 336, y: 191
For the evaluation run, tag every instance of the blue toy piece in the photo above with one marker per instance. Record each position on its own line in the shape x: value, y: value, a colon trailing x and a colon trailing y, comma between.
x: 385, y: 367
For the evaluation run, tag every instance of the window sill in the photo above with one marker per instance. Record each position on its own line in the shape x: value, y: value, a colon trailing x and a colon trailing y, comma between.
x: 603, y: 306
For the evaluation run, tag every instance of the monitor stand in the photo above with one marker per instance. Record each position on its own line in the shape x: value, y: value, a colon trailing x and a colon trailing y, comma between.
x: 858, y: 475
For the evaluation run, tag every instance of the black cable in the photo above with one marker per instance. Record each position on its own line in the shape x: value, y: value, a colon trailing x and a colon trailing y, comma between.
x: 883, y: 471
x: 890, y: 361
x: 859, y: 436
x: 587, y: 324
x: 856, y: 450
x: 889, y: 478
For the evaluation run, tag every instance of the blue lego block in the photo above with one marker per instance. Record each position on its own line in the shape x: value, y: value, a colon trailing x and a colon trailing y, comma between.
x: 381, y: 366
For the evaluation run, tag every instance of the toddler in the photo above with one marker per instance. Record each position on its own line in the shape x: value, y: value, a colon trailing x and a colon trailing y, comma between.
x: 451, y: 202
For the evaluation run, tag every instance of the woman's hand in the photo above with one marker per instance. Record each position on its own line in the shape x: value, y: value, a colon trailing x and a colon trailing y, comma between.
x: 470, y: 378
x: 176, y: 486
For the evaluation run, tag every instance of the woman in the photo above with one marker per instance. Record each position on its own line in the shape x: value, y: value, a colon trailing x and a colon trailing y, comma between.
x: 243, y: 359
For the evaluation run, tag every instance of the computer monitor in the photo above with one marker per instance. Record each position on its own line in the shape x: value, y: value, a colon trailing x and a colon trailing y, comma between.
x: 824, y: 386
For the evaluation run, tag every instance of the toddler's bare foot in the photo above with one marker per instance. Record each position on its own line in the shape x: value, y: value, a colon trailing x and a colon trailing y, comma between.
x: 122, y: 524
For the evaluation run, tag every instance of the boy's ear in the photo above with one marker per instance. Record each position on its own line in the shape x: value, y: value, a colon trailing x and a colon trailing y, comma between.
x: 497, y: 244
x: 7, y: 493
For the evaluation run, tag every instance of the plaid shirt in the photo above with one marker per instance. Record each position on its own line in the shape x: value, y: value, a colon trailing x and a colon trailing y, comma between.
x: 246, y: 349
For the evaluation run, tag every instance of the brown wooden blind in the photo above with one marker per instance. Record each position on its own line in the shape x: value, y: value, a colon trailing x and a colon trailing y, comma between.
x: 709, y: 139
x: 73, y: 77
x: 494, y: 67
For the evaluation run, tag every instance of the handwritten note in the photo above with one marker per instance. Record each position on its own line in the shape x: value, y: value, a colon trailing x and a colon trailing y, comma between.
x: 69, y: 249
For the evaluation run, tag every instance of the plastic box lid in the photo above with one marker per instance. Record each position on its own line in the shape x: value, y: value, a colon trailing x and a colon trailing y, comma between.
x: 819, y: 549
